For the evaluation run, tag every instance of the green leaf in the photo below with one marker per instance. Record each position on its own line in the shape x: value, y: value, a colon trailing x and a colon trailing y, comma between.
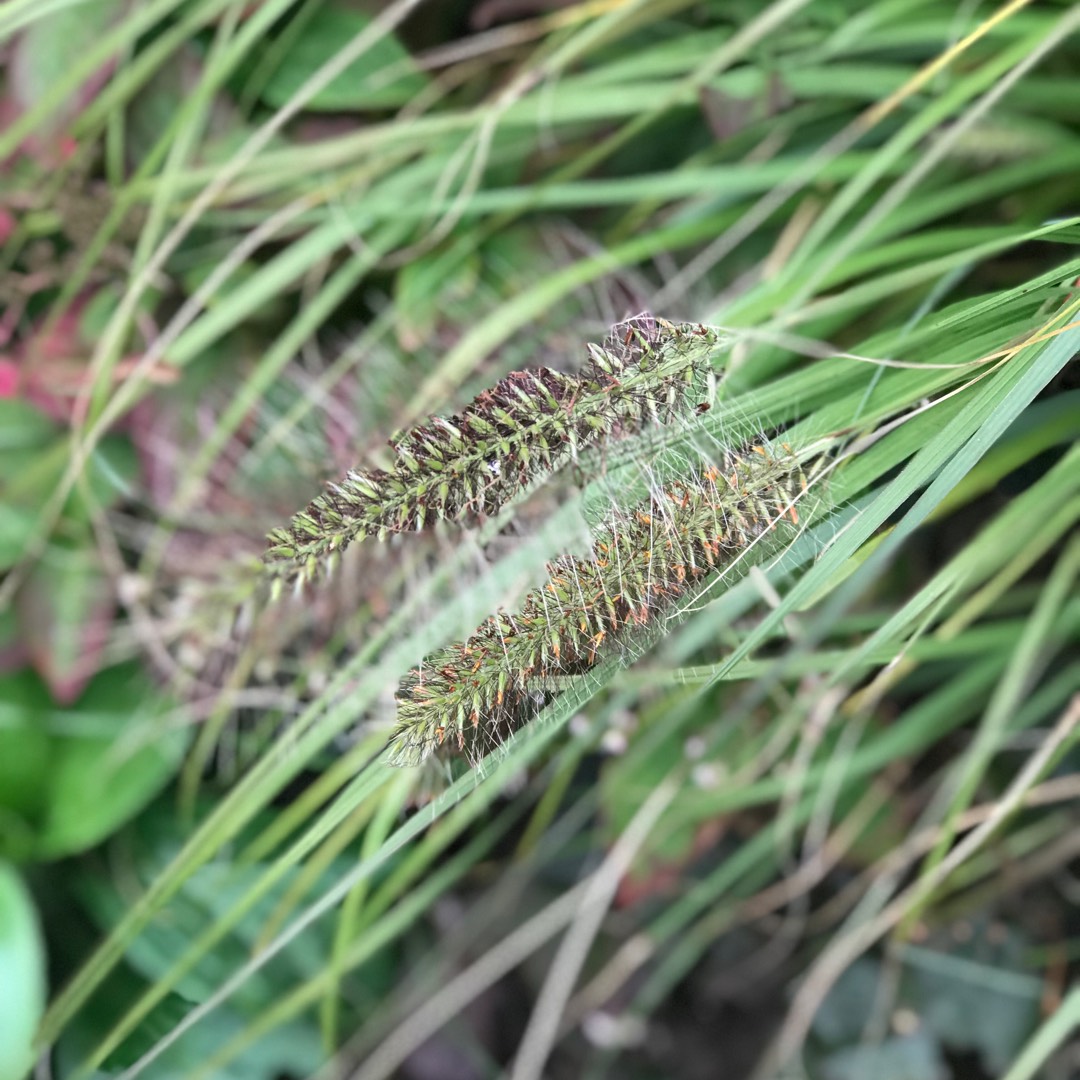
x: 25, y: 760
x: 847, y: 1008
x: 113, y: 755
x: 110, y: 474
x: 65, y: 611
x: 30, y: 474
x: 383, y: 77
x: 51, y: 45
x: 22, y: 975
x: 16, y: 527
x: 290, y: 1050
x: 70, y: 777
x: 22, y: 426
x: 976, y: 995
x: 911, y: 1057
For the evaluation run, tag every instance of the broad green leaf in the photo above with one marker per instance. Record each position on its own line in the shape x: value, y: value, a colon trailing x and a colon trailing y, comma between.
x: 383, y: 77
x: 907, y: 1057
x: 22, y: 426
x: 845, y: 1012
x: 975, y: 995
x: 113, y: 751
x: 65, y: 610
x: 30, y: 475
x: 48, y: 48
x: 25, y: 760
x: 22, y: 975
x: 293, y: 1050
x: 111, y: 475
x: 17, y: 526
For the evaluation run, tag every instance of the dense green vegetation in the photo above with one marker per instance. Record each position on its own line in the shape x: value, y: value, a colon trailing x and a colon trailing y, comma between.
x: 815, y: 813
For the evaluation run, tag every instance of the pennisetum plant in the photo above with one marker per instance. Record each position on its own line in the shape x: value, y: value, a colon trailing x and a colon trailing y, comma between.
x: 527, y: 426
x: 470, y: 695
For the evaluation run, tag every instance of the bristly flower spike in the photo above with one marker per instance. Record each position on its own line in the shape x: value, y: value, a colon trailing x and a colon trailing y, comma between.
x: 528, y: 425
x: 471, y: 695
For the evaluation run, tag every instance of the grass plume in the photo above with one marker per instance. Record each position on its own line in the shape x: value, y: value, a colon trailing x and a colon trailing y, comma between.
x: 528, y: 425
x: 471, y: 694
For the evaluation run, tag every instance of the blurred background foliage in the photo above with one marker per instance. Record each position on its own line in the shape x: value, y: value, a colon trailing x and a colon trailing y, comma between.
x: 828, y: 824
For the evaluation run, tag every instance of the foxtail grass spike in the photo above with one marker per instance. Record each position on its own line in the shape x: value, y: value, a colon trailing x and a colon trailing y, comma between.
x: 469, y: 696
x: 528, y: 425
